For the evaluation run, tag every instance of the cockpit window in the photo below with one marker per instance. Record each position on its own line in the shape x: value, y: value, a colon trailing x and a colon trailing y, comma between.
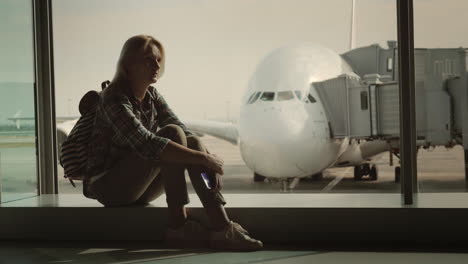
x: 298, y: 94
x: 311, y: 98
x: 284, y: 96
x: 250, y: 98
x: 267, y: 96
x: 257, y: 95
x: 253, y: 97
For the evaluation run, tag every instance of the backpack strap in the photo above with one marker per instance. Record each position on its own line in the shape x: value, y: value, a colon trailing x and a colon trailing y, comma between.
x: 104, y: 84
x: 90, y: 100
x: 73, y: 154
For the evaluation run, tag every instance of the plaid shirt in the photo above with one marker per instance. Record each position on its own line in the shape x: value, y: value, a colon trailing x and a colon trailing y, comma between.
x: 123, y: 124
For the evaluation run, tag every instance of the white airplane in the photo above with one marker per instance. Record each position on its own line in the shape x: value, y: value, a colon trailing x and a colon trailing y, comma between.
x: 283, y: 131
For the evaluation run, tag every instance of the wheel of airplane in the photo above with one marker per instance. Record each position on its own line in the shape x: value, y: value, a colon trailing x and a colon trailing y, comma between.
x: 373, y: 175
x: 317, y: 177
x: 357, y: 173
x: 259, y: 178
x: 397, y: 174
x: 366, y: 169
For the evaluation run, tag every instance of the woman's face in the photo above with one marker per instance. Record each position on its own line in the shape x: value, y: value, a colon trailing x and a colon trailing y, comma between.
x: 145, y: 67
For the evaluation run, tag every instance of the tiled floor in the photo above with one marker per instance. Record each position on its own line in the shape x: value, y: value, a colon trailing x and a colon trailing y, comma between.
x: 132, y: 252
x: 44, y: 252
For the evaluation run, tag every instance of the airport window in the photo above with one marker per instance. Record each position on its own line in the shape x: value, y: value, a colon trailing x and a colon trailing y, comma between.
x: 298, y: 94
x: 284, y: 96
x: 311, y: 98
x: 252, y: 67
x: 18, y: 160
x: 433, y: 164
x: 440, y: 170
x: 255, y: 97
x: 364, y: 101
x: 267, y: 96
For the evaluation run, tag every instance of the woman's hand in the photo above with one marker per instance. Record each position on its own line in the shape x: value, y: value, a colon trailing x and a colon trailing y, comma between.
x: 215, y: 178
x: 214, y: 163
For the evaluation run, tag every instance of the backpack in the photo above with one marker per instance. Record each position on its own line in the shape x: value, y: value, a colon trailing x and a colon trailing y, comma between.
x: 73, y: 156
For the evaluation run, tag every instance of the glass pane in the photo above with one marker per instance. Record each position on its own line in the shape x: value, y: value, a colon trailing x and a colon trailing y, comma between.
x: 18, y: 171
x: 255, y: 97
x: 284, y: 96
x: 298, y: 94
x: 267, y: 96
x: 250, y: 98
x: 441, y: 94
x: 311, y: 98
x: 364, y: 101
x: 209, y: 64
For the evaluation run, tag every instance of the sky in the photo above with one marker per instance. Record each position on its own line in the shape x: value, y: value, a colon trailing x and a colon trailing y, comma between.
x: 212, y: 46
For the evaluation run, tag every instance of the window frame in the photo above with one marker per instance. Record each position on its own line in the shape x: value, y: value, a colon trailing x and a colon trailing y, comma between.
x: 46, y: 138
x: 46, y: 133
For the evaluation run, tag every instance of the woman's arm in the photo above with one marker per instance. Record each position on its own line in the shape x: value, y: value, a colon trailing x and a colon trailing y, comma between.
x: 177, y: 153
x: 165, y: 114
x: 117, y: 110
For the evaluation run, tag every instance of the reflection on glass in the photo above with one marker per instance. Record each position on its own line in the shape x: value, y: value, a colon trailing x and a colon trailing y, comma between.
x: 441, y: 89
x: 17, y: 125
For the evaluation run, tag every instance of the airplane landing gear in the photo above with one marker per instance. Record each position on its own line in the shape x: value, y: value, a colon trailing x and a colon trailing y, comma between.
x: 358, y: 173
x: 397, y: 174
x: 258, y: 178
x: 364, y: 170
x: 395, y: 152
x: 373, y: 174
x: 314, y: 177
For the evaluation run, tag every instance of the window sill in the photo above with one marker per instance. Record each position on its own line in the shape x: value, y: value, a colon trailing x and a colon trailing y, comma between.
x: 270, y: 217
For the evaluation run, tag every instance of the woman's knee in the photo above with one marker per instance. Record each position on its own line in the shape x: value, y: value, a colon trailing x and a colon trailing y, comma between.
x: 174, y: 133
x: 195, y: 143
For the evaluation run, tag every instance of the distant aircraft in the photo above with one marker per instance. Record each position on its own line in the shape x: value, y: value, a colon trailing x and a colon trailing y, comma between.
x: 17, y: 119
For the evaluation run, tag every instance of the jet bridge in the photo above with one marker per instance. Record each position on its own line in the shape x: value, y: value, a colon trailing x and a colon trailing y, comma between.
x: 367, y: 107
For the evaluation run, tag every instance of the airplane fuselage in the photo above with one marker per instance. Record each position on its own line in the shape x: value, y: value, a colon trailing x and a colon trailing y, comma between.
x: 283, y: 136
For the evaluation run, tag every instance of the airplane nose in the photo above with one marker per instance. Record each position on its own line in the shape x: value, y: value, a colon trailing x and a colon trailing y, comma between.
x: 269, y: 144
x: 266, y: 126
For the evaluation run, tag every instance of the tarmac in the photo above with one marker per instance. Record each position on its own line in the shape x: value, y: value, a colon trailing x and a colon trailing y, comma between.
x: 440, y: 170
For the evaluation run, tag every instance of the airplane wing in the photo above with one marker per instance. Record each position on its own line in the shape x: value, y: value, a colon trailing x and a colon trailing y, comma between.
x: 222, y: 130
x: 58, y: 119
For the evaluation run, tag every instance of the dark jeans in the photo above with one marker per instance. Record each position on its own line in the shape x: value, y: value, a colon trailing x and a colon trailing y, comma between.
x: 137, y: 180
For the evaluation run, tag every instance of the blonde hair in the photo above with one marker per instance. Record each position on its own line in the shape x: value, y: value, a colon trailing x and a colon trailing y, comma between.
x: 133, y: 47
